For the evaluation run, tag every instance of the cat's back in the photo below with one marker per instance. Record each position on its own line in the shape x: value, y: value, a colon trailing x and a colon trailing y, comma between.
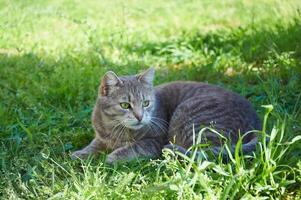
x: 179, y: 91
x: 213, y: 102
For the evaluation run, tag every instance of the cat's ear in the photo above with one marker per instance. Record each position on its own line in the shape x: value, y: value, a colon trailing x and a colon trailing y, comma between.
x: 147, y: 76
x: 108, y: 82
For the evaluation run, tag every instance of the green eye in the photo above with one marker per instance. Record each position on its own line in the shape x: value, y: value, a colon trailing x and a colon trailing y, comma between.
x: 125, y: 105
x: 145, y: 103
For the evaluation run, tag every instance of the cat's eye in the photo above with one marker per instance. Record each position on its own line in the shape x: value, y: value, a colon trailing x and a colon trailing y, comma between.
x: 145, y: 103
x: 125, y: 105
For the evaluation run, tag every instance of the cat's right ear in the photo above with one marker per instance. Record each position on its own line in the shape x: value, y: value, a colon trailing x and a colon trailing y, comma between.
x: 147, y: 76
x: 108, y: 82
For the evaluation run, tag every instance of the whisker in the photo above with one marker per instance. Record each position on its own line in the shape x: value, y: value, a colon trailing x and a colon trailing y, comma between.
x: 150, y: 127
x: 119, y: 134
x: 161, y: 126
x: 161, y: 120
x: 158, y: 125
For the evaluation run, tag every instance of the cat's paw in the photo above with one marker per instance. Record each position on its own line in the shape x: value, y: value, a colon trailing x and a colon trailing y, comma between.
x: 79, y: 155
x: 111, y: 159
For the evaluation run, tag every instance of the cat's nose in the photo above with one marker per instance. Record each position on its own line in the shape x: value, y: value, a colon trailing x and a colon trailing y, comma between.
x: 138, y: 116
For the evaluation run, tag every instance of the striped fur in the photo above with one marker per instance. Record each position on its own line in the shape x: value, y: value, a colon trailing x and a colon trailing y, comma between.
x: 175, y: 110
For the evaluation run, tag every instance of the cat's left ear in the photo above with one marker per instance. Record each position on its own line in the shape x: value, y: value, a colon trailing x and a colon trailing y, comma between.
x: 147, y: 76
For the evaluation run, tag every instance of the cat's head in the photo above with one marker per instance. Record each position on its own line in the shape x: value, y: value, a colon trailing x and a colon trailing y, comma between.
x: 128, y: 100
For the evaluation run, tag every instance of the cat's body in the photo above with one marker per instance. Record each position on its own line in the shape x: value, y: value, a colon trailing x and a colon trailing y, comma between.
x: 167, y: 113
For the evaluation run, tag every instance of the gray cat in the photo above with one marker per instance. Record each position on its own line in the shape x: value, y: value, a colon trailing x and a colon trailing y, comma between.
x: 134, y: 119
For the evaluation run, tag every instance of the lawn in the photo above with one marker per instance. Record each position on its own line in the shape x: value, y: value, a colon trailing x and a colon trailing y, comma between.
x: 53, y: 54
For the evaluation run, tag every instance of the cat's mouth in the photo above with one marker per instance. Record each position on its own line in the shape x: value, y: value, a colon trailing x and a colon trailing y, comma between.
x: 135, y: 126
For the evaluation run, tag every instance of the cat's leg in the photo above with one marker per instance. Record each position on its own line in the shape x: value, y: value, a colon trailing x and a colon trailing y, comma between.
x: 147, y: 148
x: 93, y: 148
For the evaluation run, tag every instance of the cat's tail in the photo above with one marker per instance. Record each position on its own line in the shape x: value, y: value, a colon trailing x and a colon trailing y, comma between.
x: 247, y: 148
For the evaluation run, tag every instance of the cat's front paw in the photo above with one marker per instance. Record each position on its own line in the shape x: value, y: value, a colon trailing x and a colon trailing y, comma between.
x: 111, y: 159
x: 79, y: 155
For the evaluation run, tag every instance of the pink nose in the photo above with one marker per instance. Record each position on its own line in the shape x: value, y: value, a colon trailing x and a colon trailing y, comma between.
x: 138, y: 117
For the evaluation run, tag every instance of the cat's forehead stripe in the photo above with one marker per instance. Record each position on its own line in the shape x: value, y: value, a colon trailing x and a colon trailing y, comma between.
x: 131, y: 97
x: 124, y: 98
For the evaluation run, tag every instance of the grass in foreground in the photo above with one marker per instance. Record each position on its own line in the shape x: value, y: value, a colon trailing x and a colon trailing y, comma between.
x: 53, y: 54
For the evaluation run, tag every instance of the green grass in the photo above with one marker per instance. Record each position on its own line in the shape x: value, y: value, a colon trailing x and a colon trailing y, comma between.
x: 53, y: 53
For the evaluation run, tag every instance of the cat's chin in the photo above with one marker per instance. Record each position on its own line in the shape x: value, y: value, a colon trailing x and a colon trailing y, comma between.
x: 135, y: 127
